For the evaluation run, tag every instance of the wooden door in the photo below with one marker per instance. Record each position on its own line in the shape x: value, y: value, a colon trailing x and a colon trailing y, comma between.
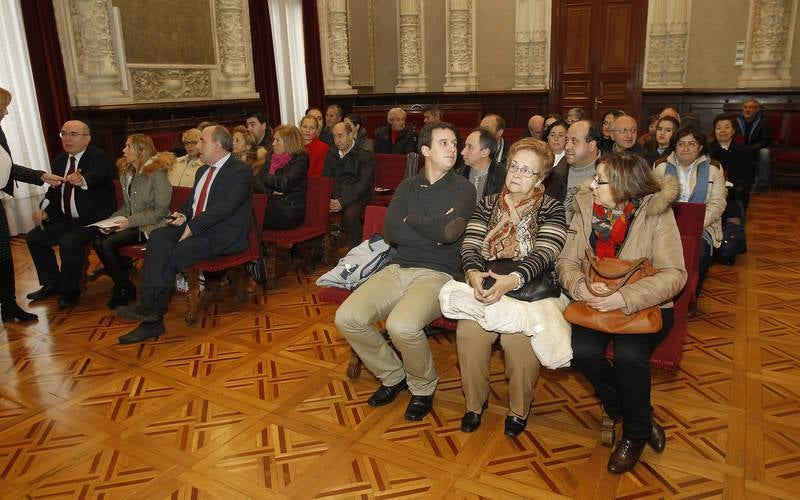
x: 597, y: 55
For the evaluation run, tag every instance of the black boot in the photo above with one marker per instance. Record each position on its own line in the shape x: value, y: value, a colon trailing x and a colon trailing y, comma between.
x: 121, y: 296
x: 9, y: 309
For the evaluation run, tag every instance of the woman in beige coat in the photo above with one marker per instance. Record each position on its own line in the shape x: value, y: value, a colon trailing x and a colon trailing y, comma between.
x: 146, y: 195
x: 626, y: 214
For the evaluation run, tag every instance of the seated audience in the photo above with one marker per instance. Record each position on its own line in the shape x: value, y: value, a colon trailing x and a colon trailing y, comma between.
x: 333, y: 115
x: 215, y: 221
x: 660, y: 144
x: 285, y: 180
x: 247, y: 150
x: 574, y: 115
x: 395, y: 138
x: 520, y: 223
x: 736, y: 162
x: 758, y: 137
x: 258, y: 124
x: 651, y: 130
x: 10, y: 174
x: 496, y: 125
x: 316, y: 149
x: 624, y: 136
x: 480, y: 167
x: 552, y: 117
x: 701, y: 180
x: 183, y: 171
x: 536, y: 126
x: 86, y: 196
x: 626, y: 215
x: 581, y: 151
x: 432, y: 114
x: 606, y: 143
x: 353, y: 173
x: 146, y: 193
x: 356, y: 121
x: 425, y: 220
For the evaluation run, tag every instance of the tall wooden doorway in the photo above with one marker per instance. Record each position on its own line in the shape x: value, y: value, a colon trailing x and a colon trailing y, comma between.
x: 597, y: 56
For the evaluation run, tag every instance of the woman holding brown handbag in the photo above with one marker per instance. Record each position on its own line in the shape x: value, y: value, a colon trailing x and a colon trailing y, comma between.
x: 625, y: 214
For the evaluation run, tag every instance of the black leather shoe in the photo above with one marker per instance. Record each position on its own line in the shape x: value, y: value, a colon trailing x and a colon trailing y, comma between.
x: 657, y: 439
x: 45, y: 292
x: 11, y: 311
x: 515, y: 425
x: 625, y: 455
x: 471, y: 420
x: 143, y: 332
x: 418, y: 407
x: 121, y: 296
x: 386, y: 394
x: 138, y: 313
x: 67, y: 300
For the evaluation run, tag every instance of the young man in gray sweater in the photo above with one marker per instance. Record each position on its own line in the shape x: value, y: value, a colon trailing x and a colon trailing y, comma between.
x: 425, y: 221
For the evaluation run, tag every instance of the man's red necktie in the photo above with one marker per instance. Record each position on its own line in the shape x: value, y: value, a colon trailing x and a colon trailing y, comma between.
x: 68, y: 189
x: 201, y: 202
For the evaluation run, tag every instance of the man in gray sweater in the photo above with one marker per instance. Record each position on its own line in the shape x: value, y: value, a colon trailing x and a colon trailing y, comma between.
x: 425, y: 221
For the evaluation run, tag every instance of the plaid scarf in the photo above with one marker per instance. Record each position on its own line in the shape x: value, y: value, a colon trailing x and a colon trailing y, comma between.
x: 512, y: 228
x: 610, y: 229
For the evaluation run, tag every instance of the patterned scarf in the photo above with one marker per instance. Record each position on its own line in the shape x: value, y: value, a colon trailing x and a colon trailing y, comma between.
x: 279, y: 160
x: 610, y: 229
x: 512, y: 228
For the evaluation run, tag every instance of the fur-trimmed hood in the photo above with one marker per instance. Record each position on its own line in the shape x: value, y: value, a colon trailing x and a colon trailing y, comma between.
x: 160, y: 161
x: 653, y: 204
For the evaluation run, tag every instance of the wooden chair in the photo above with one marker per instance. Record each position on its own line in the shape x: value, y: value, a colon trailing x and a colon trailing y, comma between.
x: 233, y: 264
x: 315, y: 225
x: 689, y: 217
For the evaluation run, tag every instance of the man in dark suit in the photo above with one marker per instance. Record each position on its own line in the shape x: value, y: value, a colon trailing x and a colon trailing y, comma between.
x: 86, y: 196
x: 258, y: 124
x: 214, y: 221
x: 480, y: 168
x: 497, y: 125
x: 395, y: 138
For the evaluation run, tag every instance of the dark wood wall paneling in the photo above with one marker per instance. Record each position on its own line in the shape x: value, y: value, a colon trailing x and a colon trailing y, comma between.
x: 111, y: 124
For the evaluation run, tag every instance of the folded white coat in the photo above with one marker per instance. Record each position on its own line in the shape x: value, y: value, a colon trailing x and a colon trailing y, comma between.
x: 543, y: 321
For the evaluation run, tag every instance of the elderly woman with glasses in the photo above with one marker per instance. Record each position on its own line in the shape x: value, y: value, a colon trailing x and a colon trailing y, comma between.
x: 701, y: 180
x: 527, y: 226
x: 183, y: 171
x: 625, y: 214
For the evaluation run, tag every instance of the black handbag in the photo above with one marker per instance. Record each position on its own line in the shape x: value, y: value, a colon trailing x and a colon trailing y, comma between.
x: 543, y: 286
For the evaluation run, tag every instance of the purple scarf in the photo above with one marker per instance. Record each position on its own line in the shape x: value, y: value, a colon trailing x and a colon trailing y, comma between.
x: 279, y: 160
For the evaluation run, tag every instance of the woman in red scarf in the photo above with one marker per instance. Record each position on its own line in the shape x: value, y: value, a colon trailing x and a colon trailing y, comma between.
x: 285, y: 180
x: 316, y: 149
x: 626, y: 213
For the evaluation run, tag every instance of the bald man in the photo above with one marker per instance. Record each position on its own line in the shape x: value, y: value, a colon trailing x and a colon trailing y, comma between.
x: 86, y: 196
x: 624, y: 137
x: 536, y: 126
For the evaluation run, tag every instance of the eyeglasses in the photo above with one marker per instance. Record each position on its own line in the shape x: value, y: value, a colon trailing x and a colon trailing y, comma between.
x: 189, y: 143
x: 524, y: 171
x: 63, y: 134
x: 631, y: 130
x: 596, y: 182
x: 687, y: 145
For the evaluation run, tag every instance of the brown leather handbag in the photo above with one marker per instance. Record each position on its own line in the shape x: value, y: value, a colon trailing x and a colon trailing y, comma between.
x: 615, y: 273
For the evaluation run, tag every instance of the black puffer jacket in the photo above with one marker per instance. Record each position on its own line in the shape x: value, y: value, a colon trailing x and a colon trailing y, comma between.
x: 353, y: 175
x: 286, y: 187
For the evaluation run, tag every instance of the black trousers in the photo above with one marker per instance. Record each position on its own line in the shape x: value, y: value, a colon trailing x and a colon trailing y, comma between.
x: 70, y: 237
x: 164, y: 258
x: 624, y: 386
x: 280, y: 216
x: 351, y: 222
x: 706, y: 259
x: 107, y: 247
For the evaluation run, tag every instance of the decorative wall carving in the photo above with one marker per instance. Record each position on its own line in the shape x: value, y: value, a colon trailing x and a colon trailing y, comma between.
x: 94, y: 57
x: 771, y: 28
x: 170, y: 84
x: 335, y: 49
x: 667, y: 47
x: 460, y: 20
x: 411, y: 74
x: 531, y: 51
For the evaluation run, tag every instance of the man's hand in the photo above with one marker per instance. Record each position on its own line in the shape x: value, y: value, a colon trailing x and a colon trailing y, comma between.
x: 186, y: 233
x: 75, y: 178
x: 613, y: 302
x: 335, y: 206
x: 123, y: 225
x: 39, y: 216
x: 52, y: 179
x: 176, y: 219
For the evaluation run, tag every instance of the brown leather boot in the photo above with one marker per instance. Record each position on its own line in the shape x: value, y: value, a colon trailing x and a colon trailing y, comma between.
x: 625, y: 455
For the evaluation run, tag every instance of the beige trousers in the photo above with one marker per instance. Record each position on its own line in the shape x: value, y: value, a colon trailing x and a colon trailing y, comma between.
x: 408, y: 298
x: 474, y: 346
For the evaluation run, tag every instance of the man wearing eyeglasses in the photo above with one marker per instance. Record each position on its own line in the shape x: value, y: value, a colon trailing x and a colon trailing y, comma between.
x: 86, y: 196
x: 624, y: 136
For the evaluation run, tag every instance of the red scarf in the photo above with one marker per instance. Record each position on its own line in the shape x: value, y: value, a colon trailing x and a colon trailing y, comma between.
x: 609, y: 232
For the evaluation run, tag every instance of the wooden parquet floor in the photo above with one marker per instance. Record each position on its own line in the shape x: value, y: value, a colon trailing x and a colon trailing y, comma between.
x: 253, y: 402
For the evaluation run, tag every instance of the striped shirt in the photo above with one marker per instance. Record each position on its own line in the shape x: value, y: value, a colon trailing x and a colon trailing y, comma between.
x: 547, y: 244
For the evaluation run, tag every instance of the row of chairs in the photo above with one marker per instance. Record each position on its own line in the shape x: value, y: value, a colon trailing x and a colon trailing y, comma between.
x: 689, y: 217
